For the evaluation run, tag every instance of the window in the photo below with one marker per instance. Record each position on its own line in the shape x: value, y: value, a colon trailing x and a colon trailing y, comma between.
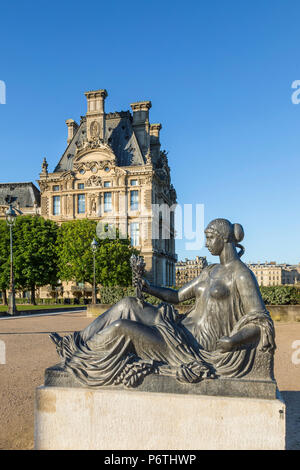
x: 56, y: 205
x: 133, y: 183
x: 80, y: 185
x: 134, y: 200
x: 107, y: 184
x: 55, y: 188
x: 81, y: 203
x: 107, y: 202
x: 135, y: 233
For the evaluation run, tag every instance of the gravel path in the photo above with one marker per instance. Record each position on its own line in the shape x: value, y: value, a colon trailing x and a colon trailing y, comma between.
x: 29, y: 352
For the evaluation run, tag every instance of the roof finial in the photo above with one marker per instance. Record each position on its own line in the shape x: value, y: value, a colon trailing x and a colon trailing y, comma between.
x: 45, y: 167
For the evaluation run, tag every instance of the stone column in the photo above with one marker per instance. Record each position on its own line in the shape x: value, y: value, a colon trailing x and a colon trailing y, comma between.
x: 123, y: 213
x: 100, y: 205
x: 75, y: 203
x: 51, y: 205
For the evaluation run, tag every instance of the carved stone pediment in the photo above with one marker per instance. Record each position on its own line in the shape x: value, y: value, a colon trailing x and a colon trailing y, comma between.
x: 96, y: 150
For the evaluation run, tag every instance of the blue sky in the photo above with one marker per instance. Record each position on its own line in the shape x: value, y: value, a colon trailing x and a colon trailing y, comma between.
x: 218, y: 73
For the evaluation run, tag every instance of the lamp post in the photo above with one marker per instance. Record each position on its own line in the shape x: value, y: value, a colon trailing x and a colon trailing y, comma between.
x: 94, y: 247
x: 10, y: 219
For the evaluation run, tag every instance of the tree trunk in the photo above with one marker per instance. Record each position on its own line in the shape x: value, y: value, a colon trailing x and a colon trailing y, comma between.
x: 4, y: 297
x: 33, y: 302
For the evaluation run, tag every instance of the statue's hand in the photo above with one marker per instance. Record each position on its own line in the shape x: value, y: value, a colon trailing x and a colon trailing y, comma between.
x: 142, y: 283
x: 225, y: 344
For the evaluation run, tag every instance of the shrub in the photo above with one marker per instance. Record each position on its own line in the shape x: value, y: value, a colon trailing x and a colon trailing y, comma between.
x: 280, y: 295
x: 112, y: 295
x: 272, y: 295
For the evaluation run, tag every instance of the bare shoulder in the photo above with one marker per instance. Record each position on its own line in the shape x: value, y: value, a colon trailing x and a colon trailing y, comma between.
x: 242, y: 273
x: 208, y: 270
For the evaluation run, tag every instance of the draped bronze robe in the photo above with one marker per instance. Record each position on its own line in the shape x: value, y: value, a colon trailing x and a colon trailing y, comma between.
x: 133, y: 333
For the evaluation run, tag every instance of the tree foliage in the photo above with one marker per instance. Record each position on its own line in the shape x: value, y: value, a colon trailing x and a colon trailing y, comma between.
x: 35, y: 254
x: 4, y: 258
x: 75, y: 257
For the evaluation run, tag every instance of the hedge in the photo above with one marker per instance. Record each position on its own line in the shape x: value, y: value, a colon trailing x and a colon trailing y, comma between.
x: 280, y: 295
x: 272, y: 295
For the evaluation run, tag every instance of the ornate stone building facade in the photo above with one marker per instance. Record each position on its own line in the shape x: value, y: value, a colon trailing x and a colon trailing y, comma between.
x: 189, y: 269
x: 113, y: 171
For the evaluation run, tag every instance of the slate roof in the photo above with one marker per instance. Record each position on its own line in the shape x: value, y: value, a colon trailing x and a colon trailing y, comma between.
x: 120, y: 136
x: 26, y: 193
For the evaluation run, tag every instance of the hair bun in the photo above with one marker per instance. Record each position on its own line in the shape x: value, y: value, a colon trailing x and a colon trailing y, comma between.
x: 238, y: 232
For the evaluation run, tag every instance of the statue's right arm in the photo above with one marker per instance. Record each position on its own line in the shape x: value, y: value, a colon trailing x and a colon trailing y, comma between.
x: 171, y: 296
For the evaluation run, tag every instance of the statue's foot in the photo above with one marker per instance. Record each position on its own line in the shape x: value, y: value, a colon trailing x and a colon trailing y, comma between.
x: 194, y: 372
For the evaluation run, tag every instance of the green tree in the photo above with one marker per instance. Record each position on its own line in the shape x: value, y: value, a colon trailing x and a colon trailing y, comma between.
x: 4, y: 259
x: 75, y: 258
x: 113, y: 262
x: 35, y: 253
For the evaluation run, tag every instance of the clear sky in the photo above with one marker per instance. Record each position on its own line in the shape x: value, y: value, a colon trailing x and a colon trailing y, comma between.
x: 218, y: 73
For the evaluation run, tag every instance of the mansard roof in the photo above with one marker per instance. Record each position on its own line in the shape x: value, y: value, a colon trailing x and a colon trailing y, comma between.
x: 120, y: 136
x: 26, y: 194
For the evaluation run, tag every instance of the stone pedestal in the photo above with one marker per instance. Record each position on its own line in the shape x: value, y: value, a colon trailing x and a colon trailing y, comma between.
x: 81, y: 418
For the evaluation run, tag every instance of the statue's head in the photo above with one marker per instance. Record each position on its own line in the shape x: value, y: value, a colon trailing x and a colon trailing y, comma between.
x: 221, y: 231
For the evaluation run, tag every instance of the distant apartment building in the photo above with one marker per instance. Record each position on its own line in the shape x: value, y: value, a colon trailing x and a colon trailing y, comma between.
x: 189, y: 269
x: 273, y: 274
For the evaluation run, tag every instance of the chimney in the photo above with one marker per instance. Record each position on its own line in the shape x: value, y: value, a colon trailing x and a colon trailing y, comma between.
x: 154, y: 140
x: 72, y: 128
x: 95, y: 116
x: 140, y: 123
